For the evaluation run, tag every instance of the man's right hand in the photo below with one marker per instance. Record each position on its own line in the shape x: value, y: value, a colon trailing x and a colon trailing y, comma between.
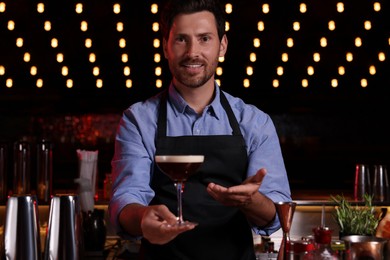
x: 155, y: 223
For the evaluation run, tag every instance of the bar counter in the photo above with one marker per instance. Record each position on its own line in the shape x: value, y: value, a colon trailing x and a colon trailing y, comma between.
x: 306, y: 217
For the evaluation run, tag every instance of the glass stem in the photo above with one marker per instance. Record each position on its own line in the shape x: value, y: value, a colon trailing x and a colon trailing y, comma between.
x: 179, y: 187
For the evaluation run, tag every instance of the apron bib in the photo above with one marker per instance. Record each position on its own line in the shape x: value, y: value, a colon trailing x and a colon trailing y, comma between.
x: 223, y: 232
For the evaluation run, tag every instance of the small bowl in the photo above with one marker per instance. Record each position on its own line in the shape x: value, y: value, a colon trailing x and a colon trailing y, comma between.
x: 365, y: 247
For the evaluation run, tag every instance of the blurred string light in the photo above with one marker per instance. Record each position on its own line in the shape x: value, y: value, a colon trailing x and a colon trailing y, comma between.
x: 323, y: 47
x: 156, y: 45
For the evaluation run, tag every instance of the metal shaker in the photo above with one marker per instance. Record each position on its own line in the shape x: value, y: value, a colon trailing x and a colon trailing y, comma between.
x: 64, y: 235
x: 21, y: 230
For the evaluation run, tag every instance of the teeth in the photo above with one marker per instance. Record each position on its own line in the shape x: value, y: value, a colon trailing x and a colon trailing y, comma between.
x: 193, y: 66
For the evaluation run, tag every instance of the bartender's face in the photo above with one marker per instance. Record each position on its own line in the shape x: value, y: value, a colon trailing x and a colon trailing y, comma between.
x: 193, y: 48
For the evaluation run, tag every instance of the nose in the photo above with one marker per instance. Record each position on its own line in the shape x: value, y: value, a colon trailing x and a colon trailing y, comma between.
x: 193, y: 49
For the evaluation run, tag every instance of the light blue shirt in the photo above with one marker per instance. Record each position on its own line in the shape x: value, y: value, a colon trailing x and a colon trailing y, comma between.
x: 132, y: 164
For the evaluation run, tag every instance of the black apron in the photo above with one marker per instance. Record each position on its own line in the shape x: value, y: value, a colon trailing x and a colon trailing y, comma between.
x: 223, y: 232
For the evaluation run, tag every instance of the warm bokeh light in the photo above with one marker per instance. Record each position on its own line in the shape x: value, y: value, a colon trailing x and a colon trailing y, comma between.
x: 284, y: 57
x: 27, y: 57
x: 246, y: 83
x: 341, y: 70
x: 96, y: 71
x: 79, y: 8
x: 305, y: 83
x: 155, y: 27
x: 323, y: 42
x: 11, y: 25
x: 154, y: 8
x: 84, y: 26
x: 290, y: 42
x: 331, y: 25
x: 88, y: 43
x: 129, y: 83
x: 316, y: 57
x: 275, y: 83
x: 296, y: 26
x: 334, y: 83
x: 60, y: 57
x: 265, y: 8
x: 69, y: 83
x: 47, y: 26
x: 157, y: 71
x: 256, y: 42
x: 99, y: 83
x: 228, y: 8
x: 117, y: 8
x: 19, y: 42
x: 340, y: 7
x: 119, y: 27
x: 125, y: 58
x: 260, y: 26
x: 364, y: 83
x: 40, y: 8
x: 54, y: 43
x: 2, y: 7
x: 92, y: 58
x: 279, y: 70
x: 64, y: 71
x: 33, y: 70
x: 249, y: 71
x: 126, y: 71
x: 39, y: 83
x: 9, y: 83
x: 372, y: 70
x: 310, y: 70
x: 252, y: 57
x: 302, y: 8
x: 349, y: 57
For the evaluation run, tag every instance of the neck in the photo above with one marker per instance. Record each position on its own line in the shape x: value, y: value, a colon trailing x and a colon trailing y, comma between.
x: 197, y: 98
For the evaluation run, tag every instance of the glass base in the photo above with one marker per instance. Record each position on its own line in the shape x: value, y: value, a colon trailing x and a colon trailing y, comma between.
x: 182, y: 224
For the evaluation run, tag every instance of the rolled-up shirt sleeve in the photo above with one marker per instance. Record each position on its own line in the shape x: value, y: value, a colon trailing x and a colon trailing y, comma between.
x: 131, y: 170
x: 264, y: 151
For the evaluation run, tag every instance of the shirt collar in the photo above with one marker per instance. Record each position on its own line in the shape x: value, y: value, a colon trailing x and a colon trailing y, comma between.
x: 215, y: 108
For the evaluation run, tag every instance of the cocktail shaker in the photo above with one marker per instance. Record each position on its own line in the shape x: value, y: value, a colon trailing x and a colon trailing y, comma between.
x: 64, y: 235
x: 21, y: 229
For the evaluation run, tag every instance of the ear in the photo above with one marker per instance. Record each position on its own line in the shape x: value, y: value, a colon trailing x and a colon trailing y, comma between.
x: 165, y: 48
x: 223, y: 46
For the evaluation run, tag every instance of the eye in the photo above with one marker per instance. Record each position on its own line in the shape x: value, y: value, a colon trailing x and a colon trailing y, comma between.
x: 205, y: 38
x: 180, y: 39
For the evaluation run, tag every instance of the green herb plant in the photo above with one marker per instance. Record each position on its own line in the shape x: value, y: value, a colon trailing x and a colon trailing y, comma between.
x: 355, y: 220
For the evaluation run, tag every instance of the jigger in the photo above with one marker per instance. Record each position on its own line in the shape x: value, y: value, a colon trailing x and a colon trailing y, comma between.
x: 64, y: 237
x: 21, y: 229
x: 285, y: 211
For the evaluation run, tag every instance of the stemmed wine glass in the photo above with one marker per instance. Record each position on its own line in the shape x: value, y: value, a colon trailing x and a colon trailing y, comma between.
x: 178, y: 168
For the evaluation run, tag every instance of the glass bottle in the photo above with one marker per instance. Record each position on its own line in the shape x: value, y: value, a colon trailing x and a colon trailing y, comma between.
x: 107, y: 187
x: 323, y: 244
x: 22, y: 157
x: 45, y: 171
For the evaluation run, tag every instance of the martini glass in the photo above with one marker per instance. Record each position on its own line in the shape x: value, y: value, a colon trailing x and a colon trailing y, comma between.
x: 179, y: 168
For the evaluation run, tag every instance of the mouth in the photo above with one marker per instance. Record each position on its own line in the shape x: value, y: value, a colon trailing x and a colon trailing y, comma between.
x: 192, y: 67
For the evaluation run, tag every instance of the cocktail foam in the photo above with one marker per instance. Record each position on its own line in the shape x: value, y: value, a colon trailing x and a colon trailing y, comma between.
x: 180, y: 158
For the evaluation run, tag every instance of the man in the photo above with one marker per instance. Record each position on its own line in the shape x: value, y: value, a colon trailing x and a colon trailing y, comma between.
x: 243, y: 174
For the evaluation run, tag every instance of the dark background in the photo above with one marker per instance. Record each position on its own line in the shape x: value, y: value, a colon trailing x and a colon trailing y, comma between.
x: 324, y: 130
